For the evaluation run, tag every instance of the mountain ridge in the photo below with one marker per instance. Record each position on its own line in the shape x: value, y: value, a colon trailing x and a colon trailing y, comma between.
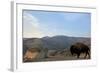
x: 55, y: 42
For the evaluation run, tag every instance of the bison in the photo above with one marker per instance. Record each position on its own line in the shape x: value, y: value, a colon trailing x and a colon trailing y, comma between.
x: 79, y: 48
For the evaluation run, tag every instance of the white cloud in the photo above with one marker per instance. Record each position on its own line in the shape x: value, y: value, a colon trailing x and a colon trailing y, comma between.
x: 30, y: 26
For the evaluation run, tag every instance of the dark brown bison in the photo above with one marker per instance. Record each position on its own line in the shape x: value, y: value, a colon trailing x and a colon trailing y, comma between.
x: 79, y: 48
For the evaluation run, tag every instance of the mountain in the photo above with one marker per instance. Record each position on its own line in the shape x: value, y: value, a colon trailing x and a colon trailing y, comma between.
x: 55, y: 42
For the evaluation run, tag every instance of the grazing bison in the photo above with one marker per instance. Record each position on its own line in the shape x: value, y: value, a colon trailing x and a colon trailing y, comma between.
x: 79, y: 48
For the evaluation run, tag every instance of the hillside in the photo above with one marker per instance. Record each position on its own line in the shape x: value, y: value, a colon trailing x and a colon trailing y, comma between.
x: 53, y: 43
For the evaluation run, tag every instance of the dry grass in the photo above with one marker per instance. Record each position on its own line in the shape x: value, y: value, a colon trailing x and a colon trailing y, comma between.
x: 58, y: 57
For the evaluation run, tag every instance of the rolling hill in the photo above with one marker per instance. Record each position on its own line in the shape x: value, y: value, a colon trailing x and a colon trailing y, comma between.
x: 54, y: 43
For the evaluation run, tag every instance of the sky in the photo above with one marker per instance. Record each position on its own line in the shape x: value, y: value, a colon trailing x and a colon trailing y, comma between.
x: 45, y: 23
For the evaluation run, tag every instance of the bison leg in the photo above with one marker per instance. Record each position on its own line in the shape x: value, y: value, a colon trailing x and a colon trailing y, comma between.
x: 72, y: 53
x: 87, y: 53
x: 78, y: 55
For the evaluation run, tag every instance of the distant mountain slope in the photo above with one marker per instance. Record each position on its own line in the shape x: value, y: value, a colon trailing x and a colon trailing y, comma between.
x: 56, y: 42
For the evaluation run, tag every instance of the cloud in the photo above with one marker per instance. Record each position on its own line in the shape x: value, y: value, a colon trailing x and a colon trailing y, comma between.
x: 30, y: 26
